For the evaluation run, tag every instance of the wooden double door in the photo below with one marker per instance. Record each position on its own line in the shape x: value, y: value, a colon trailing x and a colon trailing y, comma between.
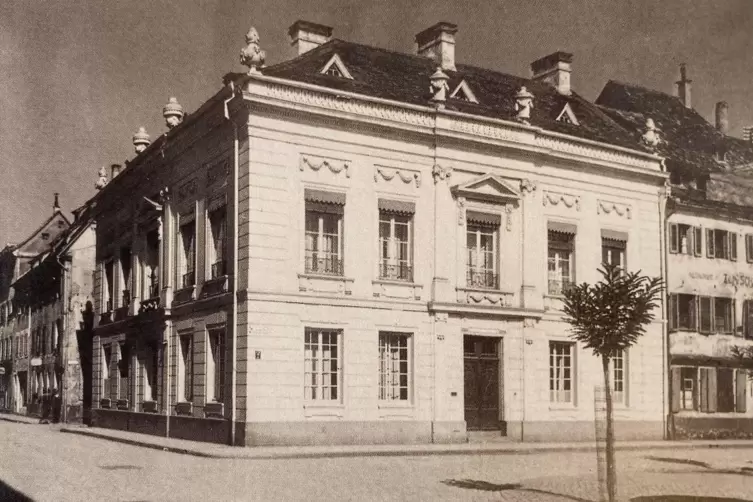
x: 482, y: 383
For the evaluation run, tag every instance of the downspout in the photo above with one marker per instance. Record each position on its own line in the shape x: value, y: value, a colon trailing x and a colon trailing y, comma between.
x: 433, y: 296
x: 666, y: 358
x: 64, y: 345
x: 234, y: 350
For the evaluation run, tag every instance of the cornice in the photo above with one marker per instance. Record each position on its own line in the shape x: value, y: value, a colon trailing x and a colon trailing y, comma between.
x: 429, y: 120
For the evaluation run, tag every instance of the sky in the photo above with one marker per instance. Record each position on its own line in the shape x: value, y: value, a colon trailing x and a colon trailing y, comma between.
x: 78, y: 77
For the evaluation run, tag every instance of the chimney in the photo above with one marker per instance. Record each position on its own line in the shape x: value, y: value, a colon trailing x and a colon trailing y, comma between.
x: 56, y: 204
x: 683, y: 87
x: 554, y: 70
x: 721, y: 113
x: 438, y: 43
x: 305, y: 36
x: 114, y: 170
x: 748, y: 133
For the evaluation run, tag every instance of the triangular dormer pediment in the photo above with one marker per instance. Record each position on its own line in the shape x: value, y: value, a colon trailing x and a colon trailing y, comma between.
x: 488, y: 187
x: 463, y: 91
x: 567, y: 116
x: 336, y: 68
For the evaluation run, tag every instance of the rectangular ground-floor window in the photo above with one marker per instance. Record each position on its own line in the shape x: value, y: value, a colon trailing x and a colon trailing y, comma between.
x: 186, y: 367
x: 709, y: 389
x: 106, y: 359
x: 561, y: 372
x: 216, y: 366
x: 394, y: 366
x: 322, y: 365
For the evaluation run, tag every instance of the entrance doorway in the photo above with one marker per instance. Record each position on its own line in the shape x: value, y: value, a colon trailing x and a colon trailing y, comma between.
x: 481, y: 362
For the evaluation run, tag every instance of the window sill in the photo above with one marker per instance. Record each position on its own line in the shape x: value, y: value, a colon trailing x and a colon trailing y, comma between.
x: 395, y: 282
x: 330, y: 277
x: 400, y: 405
x: 323, y: 283
x: 494, y: 296
x: 312, y: 409
x: 562, y: 407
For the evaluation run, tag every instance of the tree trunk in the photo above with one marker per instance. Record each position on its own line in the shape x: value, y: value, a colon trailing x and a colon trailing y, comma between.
x: 611, y: 471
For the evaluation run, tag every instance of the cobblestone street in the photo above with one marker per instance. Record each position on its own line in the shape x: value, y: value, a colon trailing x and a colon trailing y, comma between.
x: 43, y: 464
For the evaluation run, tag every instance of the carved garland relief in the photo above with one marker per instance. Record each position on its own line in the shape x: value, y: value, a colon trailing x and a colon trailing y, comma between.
x: 316, y: 164
x: 407, y: 176
x: 608, y: 207
x: 557, y: 198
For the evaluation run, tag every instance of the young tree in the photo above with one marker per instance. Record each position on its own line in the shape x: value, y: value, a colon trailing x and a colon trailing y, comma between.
x: 608, y: 317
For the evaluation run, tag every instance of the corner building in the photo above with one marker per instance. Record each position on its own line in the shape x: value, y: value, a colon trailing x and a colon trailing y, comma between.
x: 405, y: 228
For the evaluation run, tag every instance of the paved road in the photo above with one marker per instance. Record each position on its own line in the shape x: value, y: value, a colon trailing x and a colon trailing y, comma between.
x: 44, y: 464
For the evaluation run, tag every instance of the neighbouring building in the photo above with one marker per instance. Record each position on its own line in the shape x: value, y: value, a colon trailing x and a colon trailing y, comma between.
x: 15, y: 332
x: 365, y: 246
x: 54, y: 292
x: 709, y: 265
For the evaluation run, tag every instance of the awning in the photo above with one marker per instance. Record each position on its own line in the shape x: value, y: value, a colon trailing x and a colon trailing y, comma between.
x: 483, y: 218
x: 397, y: 206
x: 313, y: 195
x: 614, y: 235
x: 565, y: 228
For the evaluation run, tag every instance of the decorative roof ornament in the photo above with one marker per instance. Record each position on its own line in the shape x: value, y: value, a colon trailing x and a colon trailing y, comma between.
x: 523, y: 105
x: 252, y: 54
x: 439, y: 87
x: 173, y: 113
x: 102, y: 181
x: 651, y: 137
x: 141, y: 140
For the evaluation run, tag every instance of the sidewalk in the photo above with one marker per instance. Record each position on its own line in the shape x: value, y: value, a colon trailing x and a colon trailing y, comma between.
x: 211, y: 450
x: 19, y: 419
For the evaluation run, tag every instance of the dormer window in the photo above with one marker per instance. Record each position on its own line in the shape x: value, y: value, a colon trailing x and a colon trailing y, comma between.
x: 567, y: 116
x: 336, y: 68
x: 464, y: 93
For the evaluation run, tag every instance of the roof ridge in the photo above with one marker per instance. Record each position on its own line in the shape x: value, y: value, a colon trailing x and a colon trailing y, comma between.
x: 638, y: 86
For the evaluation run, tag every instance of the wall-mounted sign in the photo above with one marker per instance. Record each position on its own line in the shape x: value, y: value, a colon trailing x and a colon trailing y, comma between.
x: 36, y: 361
x: 738, y: 280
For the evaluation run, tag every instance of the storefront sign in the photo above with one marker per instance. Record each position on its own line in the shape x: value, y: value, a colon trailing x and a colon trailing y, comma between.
x: 738, y: 280
x: 700, y: 275
x: 36, y: 361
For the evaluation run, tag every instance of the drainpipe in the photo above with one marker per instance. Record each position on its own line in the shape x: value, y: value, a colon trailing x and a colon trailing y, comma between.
x: 63, y: 343
x: 666, y: 356
x: 234, y: 354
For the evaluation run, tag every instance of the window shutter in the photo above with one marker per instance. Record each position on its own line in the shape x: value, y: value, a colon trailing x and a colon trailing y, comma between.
x: 676, y: 388
x: 697, y: 241
x: 747, y: 319
x: 732, y: 246
x: 673, y: 312
x: 740, y: 388
x: 749, y: 247
x: 704, y: 389
x: 712, y: 390
x: 709, y: 243
x: 674, y: 238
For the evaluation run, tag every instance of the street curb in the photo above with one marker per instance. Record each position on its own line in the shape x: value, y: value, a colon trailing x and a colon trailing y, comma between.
x: 16, y: 421
x: 399, y: 453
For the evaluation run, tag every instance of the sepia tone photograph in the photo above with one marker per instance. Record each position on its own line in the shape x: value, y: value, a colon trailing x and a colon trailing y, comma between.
x: 487, y: 250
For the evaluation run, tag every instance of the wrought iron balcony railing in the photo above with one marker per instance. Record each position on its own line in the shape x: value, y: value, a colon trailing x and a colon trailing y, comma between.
x: 189, y: 279
x: 154, y: 290
x: 126, y: 298
x: 482, y: 279
x: 560, y: 286
x: 327, y: 265
x: 218, y: 269
x: 398, y: 272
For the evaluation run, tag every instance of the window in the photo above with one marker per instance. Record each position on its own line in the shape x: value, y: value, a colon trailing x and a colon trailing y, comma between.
x: 709, y: 390
x: 618, y: 366
x: 217, y: 227
x: 394, y: 366
x: 186, y: 367
x: 151, y: 266
x: 188, y: 255
x: 705, y: 306
x: 560, y: 372
x: 123, y: 370
x: 324, y: 224
x: 481, y: 243
x: 334, y: 71
x: 721, y: 244
x: 748, y: 319
x: 322, y: 365
x: 687, y: 388
x: 749, y: 248
x: 561, y: 261
x: 724, y: 315
x: 216, y: 366
x: 125, y: 267
x: 682, y: 312
x: 106, y: 359
x: 149, y: 368
x: 613, y: 252
x: 395, y: 260
x: 109, y: 286
x: 685, y: 239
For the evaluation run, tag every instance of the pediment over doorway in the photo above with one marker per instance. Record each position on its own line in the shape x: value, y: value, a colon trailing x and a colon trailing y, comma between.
x: 487, y: 187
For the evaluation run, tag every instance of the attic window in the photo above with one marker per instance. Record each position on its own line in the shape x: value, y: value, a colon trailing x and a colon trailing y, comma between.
x: 567, y: 116
x: 336, y: 68
x: 45, y: 236
x: 463, y: 91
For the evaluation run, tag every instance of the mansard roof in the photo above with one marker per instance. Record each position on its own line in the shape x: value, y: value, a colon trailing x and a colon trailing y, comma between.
x: 404, y: 77
x: 689, y: 142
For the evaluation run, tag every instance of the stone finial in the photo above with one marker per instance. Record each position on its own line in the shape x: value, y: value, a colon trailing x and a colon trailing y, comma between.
x: 523, y: 105
x: 173, y: 113
x: 651, y: 137
x: 141, y: 140
x: 439, y: 86
x: 102, y: 181
x: 252, y: 54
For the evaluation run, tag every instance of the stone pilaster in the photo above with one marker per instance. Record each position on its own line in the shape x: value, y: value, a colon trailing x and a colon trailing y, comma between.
x: 444, y: 235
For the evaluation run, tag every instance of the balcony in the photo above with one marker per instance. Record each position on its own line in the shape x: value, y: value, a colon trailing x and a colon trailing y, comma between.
x: 482, y: 279
x: 218, y: 269
x: 153, y: 302
x: 189, y: 279
x: 186, y: 292
x: 218, y: 283
x: 398, y: 272
x: 324, y: 265
x: 106, y: 316
x: 558, y: 287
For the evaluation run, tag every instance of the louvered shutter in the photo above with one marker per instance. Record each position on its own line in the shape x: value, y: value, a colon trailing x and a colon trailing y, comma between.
x: 676, y: 388
x: 712, y: 390
x: 710, y: 243
x: 740, y: 388
x: 703, y: 389
x: 732, y: 246
x: 697, y: 241
x: 673, y: 312
x: 674, y: 238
